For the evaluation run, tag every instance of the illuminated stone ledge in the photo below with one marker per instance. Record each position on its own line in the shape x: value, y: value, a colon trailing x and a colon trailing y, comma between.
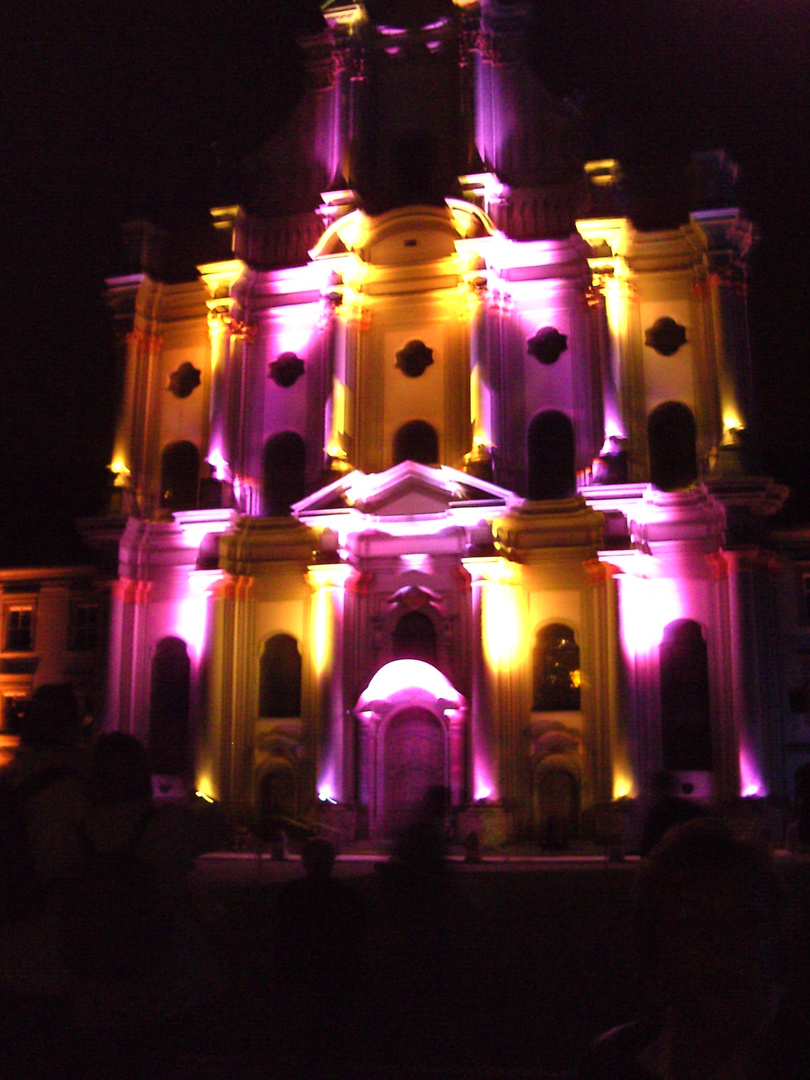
x: 559, y: 523
x: 678, y: 521
x: 254, y: 541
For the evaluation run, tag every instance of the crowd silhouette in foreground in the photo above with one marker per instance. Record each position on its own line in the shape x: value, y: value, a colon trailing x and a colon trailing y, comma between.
x: 711, y: 923
x: 108, y: 956
x: 102, y: 948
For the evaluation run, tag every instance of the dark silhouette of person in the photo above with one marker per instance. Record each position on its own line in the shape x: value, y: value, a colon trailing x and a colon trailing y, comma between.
x: 41, y: 801
x: 710, y: 923
x: 799, y: 828
x: 422, y: 900
x: 667, y: 809
x: 422, y: 847
x: 138, y: 954
x: 319, y: 960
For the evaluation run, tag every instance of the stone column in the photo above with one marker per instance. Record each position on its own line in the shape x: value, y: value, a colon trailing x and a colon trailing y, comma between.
x: 327, y: 581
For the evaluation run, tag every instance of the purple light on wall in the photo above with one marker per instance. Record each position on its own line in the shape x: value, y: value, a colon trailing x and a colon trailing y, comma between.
x: 483, y: 789
x: 218, y: 463
x: 647, y: 606
x: 190, y: 612
x: 751, y: 783
x: 613, y: 426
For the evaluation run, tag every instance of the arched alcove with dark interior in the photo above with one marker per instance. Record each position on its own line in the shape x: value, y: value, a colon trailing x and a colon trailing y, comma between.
x: 416, y: 441
x: 169, y: 704
x: 550, y: 452
x: 283, y: 473
x: 179, y: 476
x: 686, y: 735
x: 280, y: 677
x: 415, y: 638
x: 671, y: 439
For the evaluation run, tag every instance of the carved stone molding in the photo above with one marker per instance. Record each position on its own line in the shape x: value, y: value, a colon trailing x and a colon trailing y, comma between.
x: 235, y: 327
x: 143, y: 337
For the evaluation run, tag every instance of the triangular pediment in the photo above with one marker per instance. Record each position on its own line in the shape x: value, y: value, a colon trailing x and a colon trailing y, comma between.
x: 331, y: 497
x: 406, y: 490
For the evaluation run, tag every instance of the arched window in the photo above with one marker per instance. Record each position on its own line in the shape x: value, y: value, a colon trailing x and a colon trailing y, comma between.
x: 284, y: 473
x: 686, y: 734
x: 179, y: 476
x: 550, y: 445
x: 556, y: 670
x: 416, y: 441
x: 280, y: 677
x: 671, y: 436
x: 169, y: 707
x: 415, y: 638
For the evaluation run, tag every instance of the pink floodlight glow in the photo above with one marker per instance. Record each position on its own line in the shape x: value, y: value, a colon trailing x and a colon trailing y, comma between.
x: 218, y: 464
x: 190, y: 622
x: 751, y: 783
x: 484, y: 784
x: 647, y: 606
x: 613, y: 429
x: 328, y: 791
x: 420, y: 563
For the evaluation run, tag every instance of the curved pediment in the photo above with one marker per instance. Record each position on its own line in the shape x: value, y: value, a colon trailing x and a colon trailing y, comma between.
x: 412, y: 234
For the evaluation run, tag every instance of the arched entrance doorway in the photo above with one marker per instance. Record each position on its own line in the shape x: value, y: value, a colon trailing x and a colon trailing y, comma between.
x: 412, y: 729
x: 414, y: 759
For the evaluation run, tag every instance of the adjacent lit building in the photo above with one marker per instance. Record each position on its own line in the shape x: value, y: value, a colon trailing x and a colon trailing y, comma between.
x: 52, y: 629
x: 445, y: 473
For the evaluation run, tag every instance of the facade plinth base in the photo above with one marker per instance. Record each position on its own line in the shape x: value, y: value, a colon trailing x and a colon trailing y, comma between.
x: 337, y: 822
x: 494, y: 825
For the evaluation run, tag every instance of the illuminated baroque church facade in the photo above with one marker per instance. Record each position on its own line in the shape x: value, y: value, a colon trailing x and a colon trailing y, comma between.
x: 444, y: 474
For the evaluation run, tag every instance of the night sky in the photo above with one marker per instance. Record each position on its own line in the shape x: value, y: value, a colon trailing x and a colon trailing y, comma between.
x: 124, y: 110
